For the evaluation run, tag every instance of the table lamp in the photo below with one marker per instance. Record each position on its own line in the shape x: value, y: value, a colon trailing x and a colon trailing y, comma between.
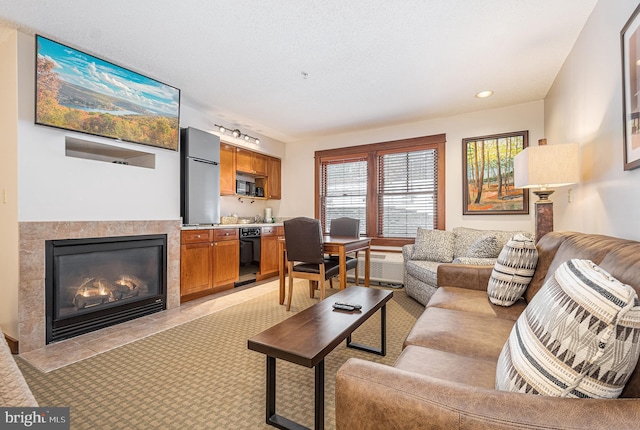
x: 544, y: 167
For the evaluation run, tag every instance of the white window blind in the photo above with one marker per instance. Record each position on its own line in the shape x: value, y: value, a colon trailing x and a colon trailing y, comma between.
x: 407, y: 192
x: 343, y: 191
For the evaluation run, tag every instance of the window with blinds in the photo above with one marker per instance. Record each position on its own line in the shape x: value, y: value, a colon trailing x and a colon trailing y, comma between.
x: 343, y: 191
x: 407, y: 192
x: 391, y: 187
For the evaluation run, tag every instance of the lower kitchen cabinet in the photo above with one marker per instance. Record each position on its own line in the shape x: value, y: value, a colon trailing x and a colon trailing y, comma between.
x: 208, y: 262
x: 269, y: 251
x: 226, y: 257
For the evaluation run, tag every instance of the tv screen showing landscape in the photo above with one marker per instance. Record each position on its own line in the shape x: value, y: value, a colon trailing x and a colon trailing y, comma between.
x: 77, y: 91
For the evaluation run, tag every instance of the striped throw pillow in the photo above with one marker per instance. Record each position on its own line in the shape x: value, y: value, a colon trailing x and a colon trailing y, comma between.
x: 577, y: 338
x: 513, y: 271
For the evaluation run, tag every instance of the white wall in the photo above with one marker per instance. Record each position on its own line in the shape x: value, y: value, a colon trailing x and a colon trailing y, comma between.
x: 9, y: 267
x: 584, y: 106
x: 298, y: 170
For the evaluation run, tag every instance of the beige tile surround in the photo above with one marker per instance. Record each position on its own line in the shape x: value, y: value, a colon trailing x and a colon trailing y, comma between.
x: 31, y: 297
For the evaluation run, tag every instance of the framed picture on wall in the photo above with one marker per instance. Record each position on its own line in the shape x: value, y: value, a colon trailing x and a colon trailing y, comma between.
x: 630, y: 41
x: 488, y: 181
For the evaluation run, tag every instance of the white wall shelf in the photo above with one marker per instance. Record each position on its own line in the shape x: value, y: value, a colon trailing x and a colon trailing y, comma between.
x: 89, y: 150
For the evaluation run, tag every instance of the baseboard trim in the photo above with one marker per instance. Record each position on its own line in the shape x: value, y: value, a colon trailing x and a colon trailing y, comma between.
x: 13, y: 344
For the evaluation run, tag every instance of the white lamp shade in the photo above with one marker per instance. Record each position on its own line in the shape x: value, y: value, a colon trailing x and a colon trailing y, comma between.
x: 547, y: 166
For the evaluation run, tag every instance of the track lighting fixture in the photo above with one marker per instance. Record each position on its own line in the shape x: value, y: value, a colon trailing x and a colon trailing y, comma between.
x: 238, y: 134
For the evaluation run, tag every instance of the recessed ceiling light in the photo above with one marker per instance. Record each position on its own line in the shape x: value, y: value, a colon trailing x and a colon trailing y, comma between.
x: 484, y: 94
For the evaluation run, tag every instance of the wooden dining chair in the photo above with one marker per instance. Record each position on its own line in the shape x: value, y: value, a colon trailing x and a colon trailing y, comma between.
x: 345, y: 227
x: 305, y: 256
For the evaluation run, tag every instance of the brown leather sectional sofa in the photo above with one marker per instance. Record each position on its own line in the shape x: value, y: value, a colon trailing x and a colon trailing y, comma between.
x: 445, y: 376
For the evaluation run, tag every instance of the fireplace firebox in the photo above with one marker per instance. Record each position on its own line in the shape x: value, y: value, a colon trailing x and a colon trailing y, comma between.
x: 98, y: 282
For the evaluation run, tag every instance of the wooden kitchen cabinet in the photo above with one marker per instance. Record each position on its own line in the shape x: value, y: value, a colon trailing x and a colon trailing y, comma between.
x: 269, y: 251
x: 226, y: 257
x: 209, y: 262
x: 196, y: 255
x: 266, y: 170
x: 274, y: 182
x: 251, y: 162
x: 227, y: 170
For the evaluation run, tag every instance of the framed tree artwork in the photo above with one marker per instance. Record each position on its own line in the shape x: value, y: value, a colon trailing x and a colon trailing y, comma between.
x: 630, y: 40
x: 488, y: 180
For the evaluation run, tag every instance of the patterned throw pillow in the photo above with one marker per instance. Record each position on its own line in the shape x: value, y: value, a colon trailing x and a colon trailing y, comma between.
x: 577, y: 338
x: 486, y: 247
x: 513, y: 271
x: 433, y: 245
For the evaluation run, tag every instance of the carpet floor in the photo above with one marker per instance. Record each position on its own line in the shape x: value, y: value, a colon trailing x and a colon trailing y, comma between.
x: 200, y: 375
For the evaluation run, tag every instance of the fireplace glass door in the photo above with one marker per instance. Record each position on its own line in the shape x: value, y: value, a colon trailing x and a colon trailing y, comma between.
x: 93, y: 283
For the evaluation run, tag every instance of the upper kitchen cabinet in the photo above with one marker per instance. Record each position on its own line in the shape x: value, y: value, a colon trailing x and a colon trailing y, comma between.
x: 274, y: 187
x: 251, y: 162
x: 227, y: 170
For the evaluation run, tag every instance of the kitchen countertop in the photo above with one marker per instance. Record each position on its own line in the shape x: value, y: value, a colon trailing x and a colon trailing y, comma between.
x: 207, y: 227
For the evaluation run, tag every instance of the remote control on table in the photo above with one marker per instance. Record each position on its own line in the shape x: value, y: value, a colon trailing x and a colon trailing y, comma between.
x: 343, y: 307
x: 353, y: 305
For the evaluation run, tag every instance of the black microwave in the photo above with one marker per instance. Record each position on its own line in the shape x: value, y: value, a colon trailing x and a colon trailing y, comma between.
x: 245, y: 188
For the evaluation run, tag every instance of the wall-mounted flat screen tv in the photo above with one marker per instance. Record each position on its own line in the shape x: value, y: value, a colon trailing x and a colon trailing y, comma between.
x: 77, y: 91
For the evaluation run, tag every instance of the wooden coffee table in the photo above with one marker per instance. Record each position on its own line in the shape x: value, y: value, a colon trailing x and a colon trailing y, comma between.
x: 309, y: 336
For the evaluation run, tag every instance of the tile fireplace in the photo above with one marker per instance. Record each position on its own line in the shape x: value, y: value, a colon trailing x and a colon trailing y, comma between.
x: 33, y: 238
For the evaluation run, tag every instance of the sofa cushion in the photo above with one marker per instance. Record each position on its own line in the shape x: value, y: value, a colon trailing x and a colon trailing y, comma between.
x: 487, y: 246
x: 577, y: 338
x: 465, y: 237
x: 467, y: 300
x: 513, y: 271
x: 475, y: 261
x: 447, y: 366
x: 459, y: 332
x: 433, y: 245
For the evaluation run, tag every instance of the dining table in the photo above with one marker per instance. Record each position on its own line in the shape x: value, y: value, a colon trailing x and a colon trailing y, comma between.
x: 336, y: 245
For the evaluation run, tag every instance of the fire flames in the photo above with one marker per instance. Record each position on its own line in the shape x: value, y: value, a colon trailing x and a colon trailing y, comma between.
x: 99, y: 291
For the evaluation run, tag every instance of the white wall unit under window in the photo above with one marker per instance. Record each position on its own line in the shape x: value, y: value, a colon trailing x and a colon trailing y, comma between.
x: 385, y: 268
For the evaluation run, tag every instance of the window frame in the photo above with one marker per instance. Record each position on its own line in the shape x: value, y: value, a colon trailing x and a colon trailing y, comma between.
x: 437, y: 142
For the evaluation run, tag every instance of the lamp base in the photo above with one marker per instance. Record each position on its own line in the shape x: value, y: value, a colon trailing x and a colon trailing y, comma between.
x: 544, y: 217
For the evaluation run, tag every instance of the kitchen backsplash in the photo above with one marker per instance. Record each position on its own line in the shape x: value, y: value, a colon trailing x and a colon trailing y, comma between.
x: 231, y: 205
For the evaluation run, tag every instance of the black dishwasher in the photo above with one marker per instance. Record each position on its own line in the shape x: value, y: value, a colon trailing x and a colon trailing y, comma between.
x: 249, y: 255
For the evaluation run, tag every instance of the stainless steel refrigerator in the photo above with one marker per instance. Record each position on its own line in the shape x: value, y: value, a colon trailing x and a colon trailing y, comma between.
x: 200, y: 171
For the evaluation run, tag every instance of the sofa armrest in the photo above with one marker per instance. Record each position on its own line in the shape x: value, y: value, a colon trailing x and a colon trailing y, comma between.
x: 14, y: 391
x: 373, y: 396
x: 464, y: 276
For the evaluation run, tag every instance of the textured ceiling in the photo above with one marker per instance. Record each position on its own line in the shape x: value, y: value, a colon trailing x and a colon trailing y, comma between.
x: 367, y: 63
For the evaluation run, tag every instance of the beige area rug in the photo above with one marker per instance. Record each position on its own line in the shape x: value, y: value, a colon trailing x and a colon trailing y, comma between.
x: 200, y: 375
